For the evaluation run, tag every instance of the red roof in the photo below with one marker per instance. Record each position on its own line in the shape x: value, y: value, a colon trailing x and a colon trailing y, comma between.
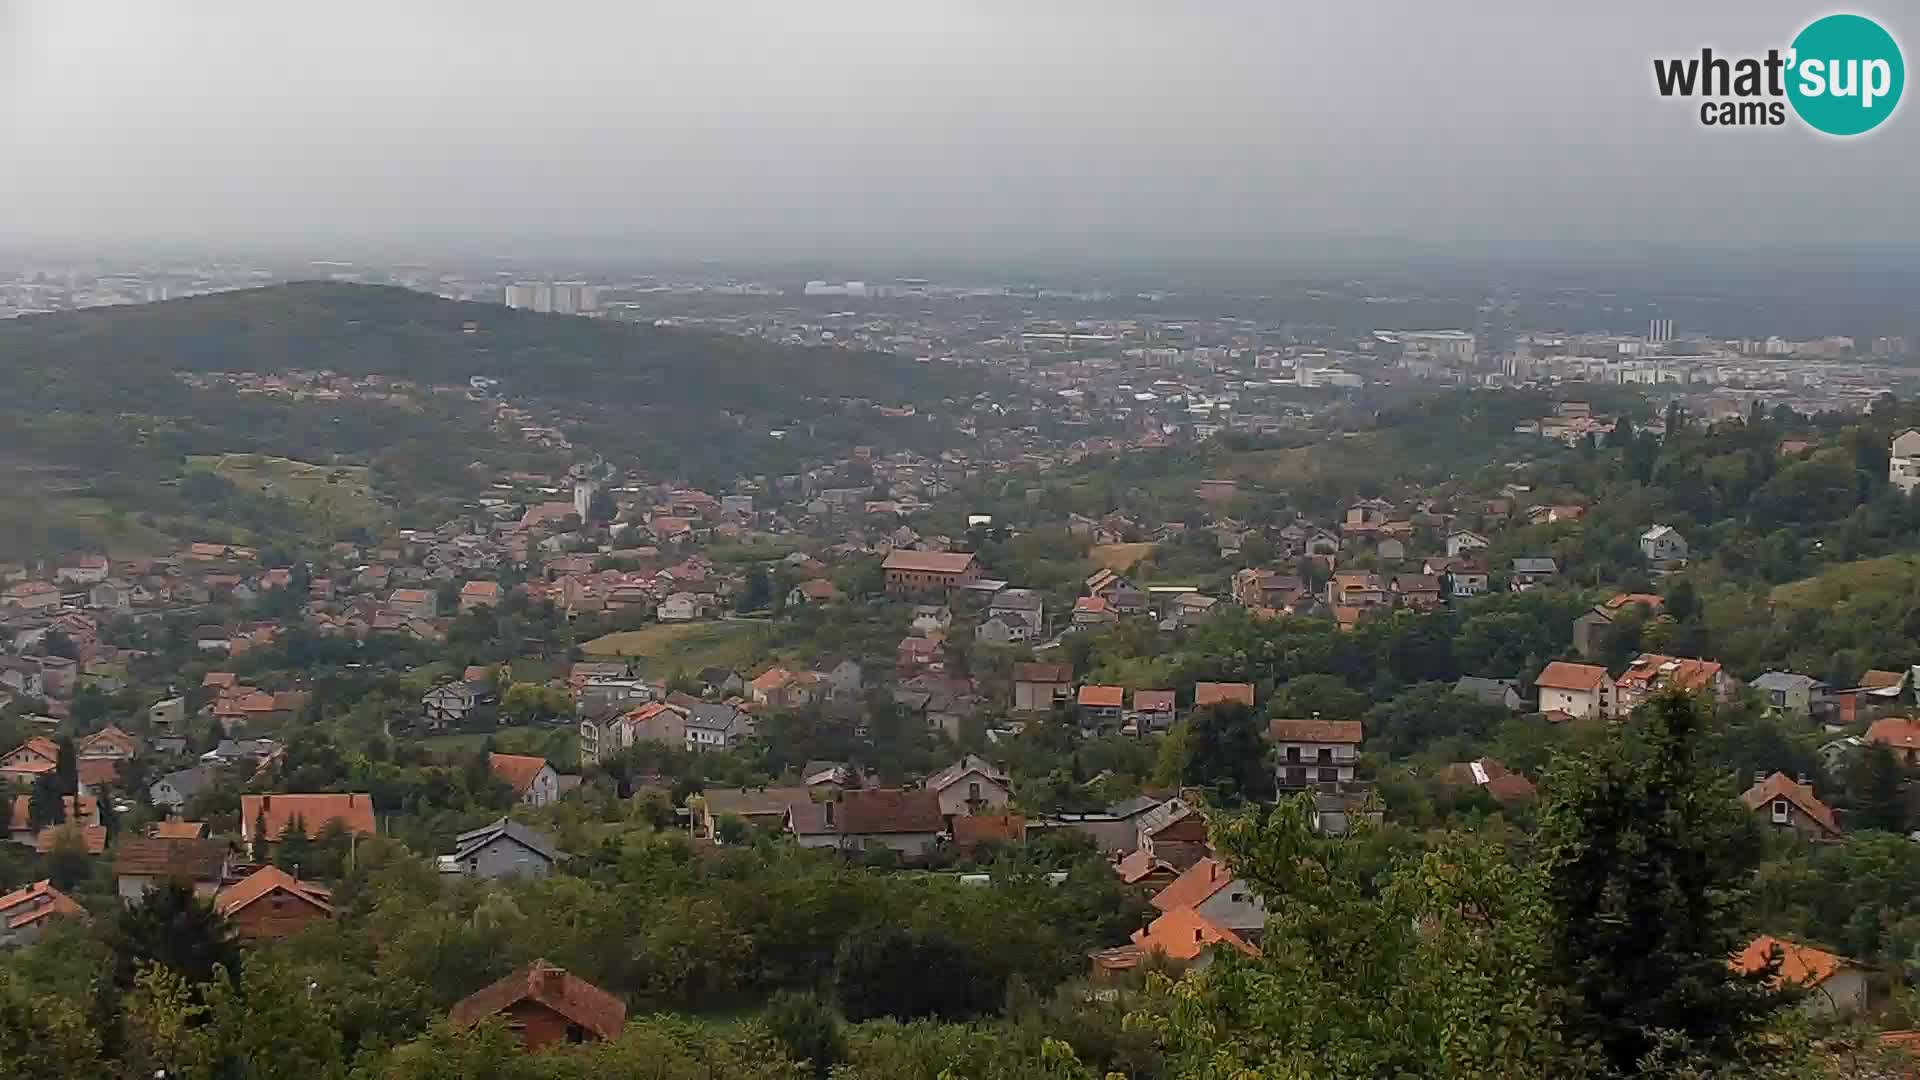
x: 1194, y: 886
x: 1684, y: 672
x: 1561, y: 675
x: 518, y: 770
x: 1779, y: 786
x: 268, y: 879
x: 1034, y: 671
x: 1102, y: 697
x: 1899, y: 732
x: 928, y: 562
x: 1183, y: 934
x: 314, y: 811
x: 1153, y: 700
x: 1213, y: 693
x: 969, y: 830
x: 574, y: 998
x: 93, y: 838
x: 178, y: 830
x: 82, y: 809
x: 26, y: 906
x: 1799, y: 964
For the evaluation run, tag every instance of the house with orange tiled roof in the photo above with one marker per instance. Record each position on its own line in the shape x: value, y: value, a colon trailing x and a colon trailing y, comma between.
x: 1589, y: 630
x: 1900, y: 734
x: 1187, y: 939
x: 1582, y: 691
x: 82, y: 810
x: 1788, y: 806
x: 543, y: 1004
x: 1651, y: 673
x: 271, y: 903
x: 1100, y: 706
x: 23, y: 763
x: 274, y: 813
x: 476, y: 594
x: 533, y: 781
x: 1217, y: 894
x: 1216, y: 693
x: 1835, y: 985
x: 26, y: 912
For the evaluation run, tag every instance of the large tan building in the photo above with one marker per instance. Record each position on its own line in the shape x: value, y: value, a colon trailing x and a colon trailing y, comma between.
x: 923, y: 573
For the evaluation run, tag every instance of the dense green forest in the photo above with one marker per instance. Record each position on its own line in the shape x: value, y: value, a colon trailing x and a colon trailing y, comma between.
x: 91, y: 403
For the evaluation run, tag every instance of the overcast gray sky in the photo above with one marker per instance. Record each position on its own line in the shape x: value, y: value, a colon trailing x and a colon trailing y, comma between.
x: 966, y: 127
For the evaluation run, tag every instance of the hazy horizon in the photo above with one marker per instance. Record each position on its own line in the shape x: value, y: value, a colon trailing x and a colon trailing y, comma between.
x: 987, y: 132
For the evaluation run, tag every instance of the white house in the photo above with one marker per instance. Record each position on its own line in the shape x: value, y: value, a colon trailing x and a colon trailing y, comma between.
x: 1663, y: 545
x: 680, y: 607
x: 1311, y: 752
x: 1459, y: 543
x: 971, y: 785
x: 1903, y: 461
x: 1582, y: 691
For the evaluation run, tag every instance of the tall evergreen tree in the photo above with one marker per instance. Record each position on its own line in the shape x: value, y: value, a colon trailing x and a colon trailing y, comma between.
x: 172, y: 927
x: 1649, y: 862
x: 1881, y: 805
x: 67, y: 766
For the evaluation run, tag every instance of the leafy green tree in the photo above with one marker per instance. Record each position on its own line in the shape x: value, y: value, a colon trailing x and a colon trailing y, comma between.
x: 1226, y: 752
x: 1327, y: 696
x: 732, y: 829
x: 884, y: 972
x: 67, y: 861
x: 1416, y: 718
x: 1432, y: 965
x: 1649, y: 862
x: 44, y: 1036
x: 808, y: 1027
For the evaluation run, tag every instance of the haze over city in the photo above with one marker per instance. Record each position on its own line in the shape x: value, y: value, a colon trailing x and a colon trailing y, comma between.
x: 1284, y: 133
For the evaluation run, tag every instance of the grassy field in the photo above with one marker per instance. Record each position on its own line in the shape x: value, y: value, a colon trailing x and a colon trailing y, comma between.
x: 340, y: 492
x: 1119, y: 558
x: 665, y: 647
x: 1867, y: 579
x: 43, y: 526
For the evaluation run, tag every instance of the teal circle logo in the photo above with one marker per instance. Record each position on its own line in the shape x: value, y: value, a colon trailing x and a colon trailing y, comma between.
x: 1846, y: 75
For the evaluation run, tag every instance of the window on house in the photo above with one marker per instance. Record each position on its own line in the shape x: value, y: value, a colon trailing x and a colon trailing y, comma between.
x: 1329, y: 776
x: 1780, y: 812
x: 1293, y: 753
x: 1297, y: 777
x: 973, y: 792
x: 1326, y: 754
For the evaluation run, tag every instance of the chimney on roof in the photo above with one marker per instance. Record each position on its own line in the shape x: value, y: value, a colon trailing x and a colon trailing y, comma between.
x: 1759, y: 777
x: 1801, y: 779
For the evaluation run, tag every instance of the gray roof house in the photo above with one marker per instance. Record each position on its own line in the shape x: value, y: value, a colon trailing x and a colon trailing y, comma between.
x: 1790, y: 693
x: 1502, y: 692
x: 713, y: 726
x: 175, y: 788
x: 503, y: 848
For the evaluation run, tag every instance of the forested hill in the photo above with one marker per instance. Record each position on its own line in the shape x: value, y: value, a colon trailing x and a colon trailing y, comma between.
x: 368, y: 329
x: 685, y: 402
